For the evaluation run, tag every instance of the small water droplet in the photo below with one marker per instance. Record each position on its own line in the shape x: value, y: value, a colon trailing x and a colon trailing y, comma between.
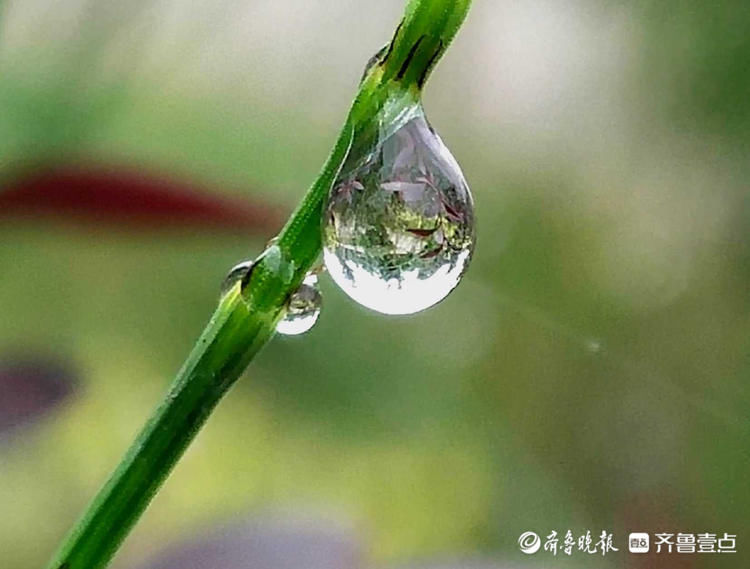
x: 303, y: 308
x: 236, y: 273
x: 374, y: 60
x: 274, y: 260
x: 278, y: 262
x: 398, y: 228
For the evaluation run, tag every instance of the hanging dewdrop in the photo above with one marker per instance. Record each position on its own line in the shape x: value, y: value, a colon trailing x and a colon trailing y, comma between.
x: 398, y: 226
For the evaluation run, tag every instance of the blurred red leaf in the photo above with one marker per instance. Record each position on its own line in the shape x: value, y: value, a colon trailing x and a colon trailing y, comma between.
x: 134, y: 200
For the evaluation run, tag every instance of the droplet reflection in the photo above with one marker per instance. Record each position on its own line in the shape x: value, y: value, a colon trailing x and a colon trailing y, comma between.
x: 398, y: 228
x: 303, y: 308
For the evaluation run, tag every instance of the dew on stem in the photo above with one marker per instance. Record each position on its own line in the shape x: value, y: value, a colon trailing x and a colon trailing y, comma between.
x: 303, y: 308
x: 407, y: 276
x: 398, y: 228
x: 235, y: 274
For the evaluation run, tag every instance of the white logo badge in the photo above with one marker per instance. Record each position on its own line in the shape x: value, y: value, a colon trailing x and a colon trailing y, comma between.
x: 638, y: 543
x: 529, y: 542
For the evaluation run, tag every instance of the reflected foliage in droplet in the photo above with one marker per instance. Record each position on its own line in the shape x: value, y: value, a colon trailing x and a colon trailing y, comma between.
x: 303, y: 308
x: 398, y: 228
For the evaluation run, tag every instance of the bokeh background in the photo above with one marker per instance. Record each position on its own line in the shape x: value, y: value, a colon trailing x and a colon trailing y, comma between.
x: 590, y: 373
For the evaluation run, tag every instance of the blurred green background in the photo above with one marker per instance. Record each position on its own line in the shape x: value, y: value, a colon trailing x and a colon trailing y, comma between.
x: 590, y: 373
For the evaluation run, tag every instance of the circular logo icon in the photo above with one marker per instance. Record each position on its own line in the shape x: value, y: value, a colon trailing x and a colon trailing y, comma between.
x: 529, y: 542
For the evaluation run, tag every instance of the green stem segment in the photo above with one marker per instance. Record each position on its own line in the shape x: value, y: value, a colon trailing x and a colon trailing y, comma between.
x: 246, y: 317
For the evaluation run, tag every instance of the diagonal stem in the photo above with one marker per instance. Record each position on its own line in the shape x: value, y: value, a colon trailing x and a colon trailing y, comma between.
x: 246, y: 317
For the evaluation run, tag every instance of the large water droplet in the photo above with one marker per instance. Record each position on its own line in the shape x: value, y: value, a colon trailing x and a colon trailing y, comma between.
x: 303, y: 308
x: 398, y: 229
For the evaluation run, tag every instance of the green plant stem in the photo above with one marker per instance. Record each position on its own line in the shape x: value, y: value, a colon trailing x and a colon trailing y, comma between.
x: 246, y: 317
